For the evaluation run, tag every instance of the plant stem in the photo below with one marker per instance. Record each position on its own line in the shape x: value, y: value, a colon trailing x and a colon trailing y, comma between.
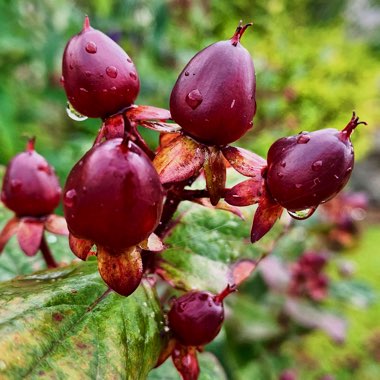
x: 46, y: 253
x: 99, y: 299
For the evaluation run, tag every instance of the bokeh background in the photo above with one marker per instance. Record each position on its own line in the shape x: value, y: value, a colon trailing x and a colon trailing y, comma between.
x: 316, y: 61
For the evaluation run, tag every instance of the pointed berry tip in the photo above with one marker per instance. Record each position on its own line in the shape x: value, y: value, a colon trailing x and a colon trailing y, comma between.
x: 86, y: 23
x: 31, y: 143
x: 352, y: 124
x: 230, y: 288
x: 239, y: 32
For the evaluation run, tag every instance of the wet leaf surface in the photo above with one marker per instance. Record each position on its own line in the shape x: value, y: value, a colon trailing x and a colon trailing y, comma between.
x: 51, y: 326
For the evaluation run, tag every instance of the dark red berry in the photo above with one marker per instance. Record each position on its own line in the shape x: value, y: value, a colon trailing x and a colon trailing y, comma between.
x: 213, y: 99
x: 113, y: 196
x: 196, y: 317
x: 98, y: 76
x: 310, y: 168
x: 30, y: 186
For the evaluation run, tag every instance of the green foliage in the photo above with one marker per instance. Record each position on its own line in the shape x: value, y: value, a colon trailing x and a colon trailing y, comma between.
x: 56, y: 323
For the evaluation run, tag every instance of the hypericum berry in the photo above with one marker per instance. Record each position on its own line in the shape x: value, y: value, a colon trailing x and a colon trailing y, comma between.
x: 213, y: 99
x: 310, y: 168
x: 99, y: 77
x: 196, y: 317
x: 30, y: 186
x: 113, y: 196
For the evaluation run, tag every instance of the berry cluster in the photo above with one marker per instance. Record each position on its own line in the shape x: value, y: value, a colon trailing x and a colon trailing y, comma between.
x: 307, y: 277
x: 120, y: 197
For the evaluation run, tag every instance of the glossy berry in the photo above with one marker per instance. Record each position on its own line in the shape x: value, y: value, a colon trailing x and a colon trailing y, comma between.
x: 113, y: 196
x: 310, y: 168
x: 98, y: 76
x: 196, y: 317
x: 30, y: 186
x: 213, y: 99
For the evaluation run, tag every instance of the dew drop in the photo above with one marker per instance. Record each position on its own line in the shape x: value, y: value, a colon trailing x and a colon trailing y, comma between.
x: 44, y: 168
x: 82, y: 89
x: 113, y: 88
x: 302, y: 214
x: 316, y: 166
x: 349, y: 169
x: 283, y: 164
x: 133, y: 75
x: 280, y: 175
x: 62, y: 80
x: 232, y: 104
x: 73, y: 113
x: 91, y: 47
x: 187, y: 73
x: 69, y: 198
x: 298, y: 185
x: 129, y: 60
x: 87, y: 73
x: 303, y: 139
x: 194, y: 99
x: 71, y: 66
x: 336, y: 176
x: 16, y: 185
x: 80, y: 163
x: 111, y: 71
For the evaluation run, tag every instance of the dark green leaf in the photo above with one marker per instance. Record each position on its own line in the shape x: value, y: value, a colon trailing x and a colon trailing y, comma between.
x: 55, y: 324
x: 203, y: 245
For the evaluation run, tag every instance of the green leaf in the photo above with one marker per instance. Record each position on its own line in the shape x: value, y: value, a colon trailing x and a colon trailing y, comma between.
x: 209, y: 365
x: 203, y: 245
x: 56, y: 324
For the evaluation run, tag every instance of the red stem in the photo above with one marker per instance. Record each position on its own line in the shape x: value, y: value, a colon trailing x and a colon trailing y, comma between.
x: 46, y: 253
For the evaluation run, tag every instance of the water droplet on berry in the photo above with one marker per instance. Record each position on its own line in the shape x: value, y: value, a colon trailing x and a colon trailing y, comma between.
x: 316, y: 166
x: 113, y: 88
x: 336, y: 176
x: 87, y: 73
x: 16, y: 185
x: 44, y: 168
x: 82, y: 89
x: 280, y: 175
x: 187, y: 73
x: 73, y: 113
x: 302, y: 214
x: 111, y: 71
x: 62, y: 80
x: 283, y: 164
x: 194, y: 99
x: 71, y: 66
x: 232, y: 104
x: 303, y: 139
x: 133, y: 75
x: 129, y: 60
x: 69, y: 198
x: 349, y: 169
x: 80, y: 163
x: 298, y: 185
x: 91, y: 47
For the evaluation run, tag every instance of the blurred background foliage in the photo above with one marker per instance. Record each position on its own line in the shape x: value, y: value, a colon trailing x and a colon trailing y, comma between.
x: 316, y: 61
